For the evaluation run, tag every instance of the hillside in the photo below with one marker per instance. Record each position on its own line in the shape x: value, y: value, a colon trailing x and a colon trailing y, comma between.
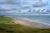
x: 7, y: 25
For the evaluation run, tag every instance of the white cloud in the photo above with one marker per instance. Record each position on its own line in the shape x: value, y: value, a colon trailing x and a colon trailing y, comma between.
x: 23, y: 5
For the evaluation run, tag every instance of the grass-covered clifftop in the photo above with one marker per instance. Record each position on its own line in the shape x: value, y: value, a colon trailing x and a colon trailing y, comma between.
x: 7, y: 25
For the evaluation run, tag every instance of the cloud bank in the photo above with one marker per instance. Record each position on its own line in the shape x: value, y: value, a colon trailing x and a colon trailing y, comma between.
x: 24, y: 6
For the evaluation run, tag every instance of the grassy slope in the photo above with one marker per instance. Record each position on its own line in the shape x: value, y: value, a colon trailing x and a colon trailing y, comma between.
x: 8, y: 26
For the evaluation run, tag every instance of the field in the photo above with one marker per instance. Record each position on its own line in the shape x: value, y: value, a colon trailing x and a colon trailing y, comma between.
x: 8, y: 26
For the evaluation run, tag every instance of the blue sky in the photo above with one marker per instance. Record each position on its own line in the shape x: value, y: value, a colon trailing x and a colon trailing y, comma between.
x: 14, y: 6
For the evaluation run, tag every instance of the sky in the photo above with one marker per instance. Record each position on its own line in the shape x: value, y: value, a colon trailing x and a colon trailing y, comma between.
x: 14, y: 7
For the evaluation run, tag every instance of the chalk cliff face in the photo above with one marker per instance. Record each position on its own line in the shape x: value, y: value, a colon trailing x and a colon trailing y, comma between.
x: 30, y: 23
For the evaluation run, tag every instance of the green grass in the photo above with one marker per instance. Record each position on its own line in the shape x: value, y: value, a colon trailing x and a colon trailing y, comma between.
x: 8, y: 26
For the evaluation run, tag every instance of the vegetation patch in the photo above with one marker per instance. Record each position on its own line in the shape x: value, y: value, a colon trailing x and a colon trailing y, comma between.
x: 8, y: 26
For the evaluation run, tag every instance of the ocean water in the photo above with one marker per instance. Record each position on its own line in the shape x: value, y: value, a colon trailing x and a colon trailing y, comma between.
x: 36, y: 18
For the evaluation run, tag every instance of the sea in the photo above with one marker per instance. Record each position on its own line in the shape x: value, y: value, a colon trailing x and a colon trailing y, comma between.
x: 37, y: 18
